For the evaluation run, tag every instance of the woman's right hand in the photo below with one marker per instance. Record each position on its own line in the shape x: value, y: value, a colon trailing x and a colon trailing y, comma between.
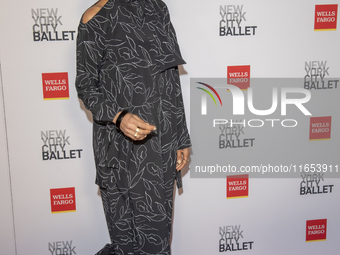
x: 134, y: 127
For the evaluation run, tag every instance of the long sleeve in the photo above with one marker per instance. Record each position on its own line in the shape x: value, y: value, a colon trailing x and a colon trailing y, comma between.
x: 90, y: 54
x: 183, y: 138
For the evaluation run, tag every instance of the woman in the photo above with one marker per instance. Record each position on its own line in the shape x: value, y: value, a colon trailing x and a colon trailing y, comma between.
x: 127, y: 76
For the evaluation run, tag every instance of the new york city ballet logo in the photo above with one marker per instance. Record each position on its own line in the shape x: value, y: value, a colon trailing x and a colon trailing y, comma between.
x: 311, y: 183
x: 62, y: 248
x: 47, y: 24
x: 232, y: 19
x: 231, y: 239
x: 56, y: 145
x: 316, y: 76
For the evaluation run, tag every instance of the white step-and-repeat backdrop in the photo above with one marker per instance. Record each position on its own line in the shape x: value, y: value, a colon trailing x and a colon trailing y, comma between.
x: 261, y: 180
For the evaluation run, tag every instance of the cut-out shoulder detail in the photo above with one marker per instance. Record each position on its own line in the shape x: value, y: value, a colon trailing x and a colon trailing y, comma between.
x: 89, y: 13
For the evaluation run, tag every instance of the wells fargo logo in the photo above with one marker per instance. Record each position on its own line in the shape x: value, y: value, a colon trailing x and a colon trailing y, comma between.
x: 239, y: 76
x: 63, y: 200
x: 320, y: 128
x: 316, y: 230
x: 237, y: 186
x: 325, y: 17
x: 55, y: 86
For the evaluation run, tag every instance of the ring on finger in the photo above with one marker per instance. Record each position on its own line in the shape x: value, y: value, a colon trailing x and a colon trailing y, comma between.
x: 137, y: 130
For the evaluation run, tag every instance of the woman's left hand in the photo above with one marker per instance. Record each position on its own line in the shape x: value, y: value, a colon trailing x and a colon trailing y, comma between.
x: 182, y: 158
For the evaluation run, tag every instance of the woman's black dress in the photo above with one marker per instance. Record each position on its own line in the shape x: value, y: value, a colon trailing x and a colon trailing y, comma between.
x: 127, y: 58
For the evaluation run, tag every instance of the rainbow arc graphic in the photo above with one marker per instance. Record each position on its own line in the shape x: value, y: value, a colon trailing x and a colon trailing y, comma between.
x: 213, y: 90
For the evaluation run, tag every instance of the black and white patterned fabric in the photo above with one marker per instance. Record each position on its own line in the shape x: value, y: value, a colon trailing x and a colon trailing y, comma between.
x: 127, y: 58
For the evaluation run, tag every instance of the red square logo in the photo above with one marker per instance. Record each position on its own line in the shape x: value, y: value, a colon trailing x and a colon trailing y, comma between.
x: 237, y: 186
x: 325, y: 17
x: 320, y: 128
x: 55, y: 86
x: 239, y: 76
x: 316, y: 230
x: 63, y: 200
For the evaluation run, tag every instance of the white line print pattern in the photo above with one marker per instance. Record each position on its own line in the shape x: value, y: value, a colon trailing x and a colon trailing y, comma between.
x: 127, y: 58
